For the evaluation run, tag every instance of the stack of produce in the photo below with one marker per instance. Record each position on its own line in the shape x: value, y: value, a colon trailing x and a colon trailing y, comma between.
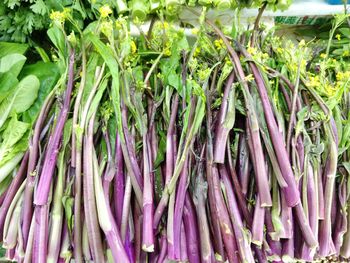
x: 154, y: 149
x: 27, y: 21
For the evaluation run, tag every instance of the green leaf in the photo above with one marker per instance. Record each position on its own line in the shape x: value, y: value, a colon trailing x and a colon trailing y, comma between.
x: 57, y: 37
x: 13, y: 133
x: 39, y: 7
x: 7, y: 82
x: 21, y: 98
x: 112, y: 64
x: 7, y: 48
x: 19, y: 148
x: 7, y: 168
x: 12, y: 63
x: 48, y: 74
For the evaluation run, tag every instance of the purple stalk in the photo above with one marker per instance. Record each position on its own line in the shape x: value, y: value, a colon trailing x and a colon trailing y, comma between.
x: 126, y: 208
x: 76, y: 161
x: 260, y: 172
x: 85, y: 243
x: 109, y: 170
x: 130, y: 158
x: 40, y: 234
x: 12, y: 220
x: 342, y: 223
x: 179, y: 206
x: 321, y: 206
x: 65, y: 253
x: 286, y: 217
x: 12, y: 190
x: 191, y: 230
x: 42, y: 193
x: 244, y: 249
x: 288, y: 250
x: 32, y: 171
x: 183, y: 250
x: 306, y: 252
x: 30, y: 242
x: 326, y: 224
x: 57, y: 216
x: 129, y: 247
x: 170, y: 227
x: 258, y: 223
x: 147, y: 226
x: 215, y: 220
x: 243, y: 164
x: 138, y: 233
x: 237, y: 187
x: 106, y: 219
x: 200, y: 196
x: 224, y: 220
x: 275, y: 249
x: 90, y: 210
x: 119, y: 183
x: 169, y: 162
x: 222, y: 131
x: 292, y: 193
x: 163, y: 249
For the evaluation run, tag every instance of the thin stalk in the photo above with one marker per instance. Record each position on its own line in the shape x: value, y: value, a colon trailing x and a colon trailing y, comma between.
x: 32, y: 171
x: 191, y: 230
x: 12, y: 190
x: 169, y: 162
x: 223, y: 129
x: 105, y: 218
x: 178, y: 211
x: 90, y: 209
x: 147, y: 234
x: 42, y: 193
x: 242, y: 239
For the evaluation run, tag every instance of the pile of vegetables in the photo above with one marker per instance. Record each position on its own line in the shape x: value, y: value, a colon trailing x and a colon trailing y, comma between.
x: 27, y: 21
x: 219, y: 148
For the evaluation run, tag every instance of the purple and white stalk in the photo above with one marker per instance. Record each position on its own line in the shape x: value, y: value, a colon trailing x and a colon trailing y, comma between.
x: 178, y: 211
x: 147, y: 230
x: 169, y: 162
x: 241, y: 236
x: 119, y: 183
x: 105, y: 217
x: 12, y: 190
x: 191, y: 230
x: 223, y: 129
x: 91, y: 216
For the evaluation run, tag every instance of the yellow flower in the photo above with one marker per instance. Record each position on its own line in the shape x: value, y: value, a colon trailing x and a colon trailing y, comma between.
x: 105, y: 11
x: 338, y: 36
x: 194, y: 31
x: 330, y: 90
x: 219, y: 44
x: 165, y: 25
x: 249, y: 78
x: 197, y: 51
x: 251, y: 50
x: 346, y: 53
x: 314, y: 81
x: 133, y: 47
x: 302, y: 43
x: 265, y: 56
x: 167, y: 52
x: 58, y: 16
x: 323, y: 55
x: 107, y: 28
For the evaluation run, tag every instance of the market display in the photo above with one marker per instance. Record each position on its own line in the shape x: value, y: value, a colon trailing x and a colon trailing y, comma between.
x: 221, y: 146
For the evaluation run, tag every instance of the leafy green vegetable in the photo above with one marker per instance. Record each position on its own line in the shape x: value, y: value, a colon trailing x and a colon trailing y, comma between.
x: 21, y: 98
